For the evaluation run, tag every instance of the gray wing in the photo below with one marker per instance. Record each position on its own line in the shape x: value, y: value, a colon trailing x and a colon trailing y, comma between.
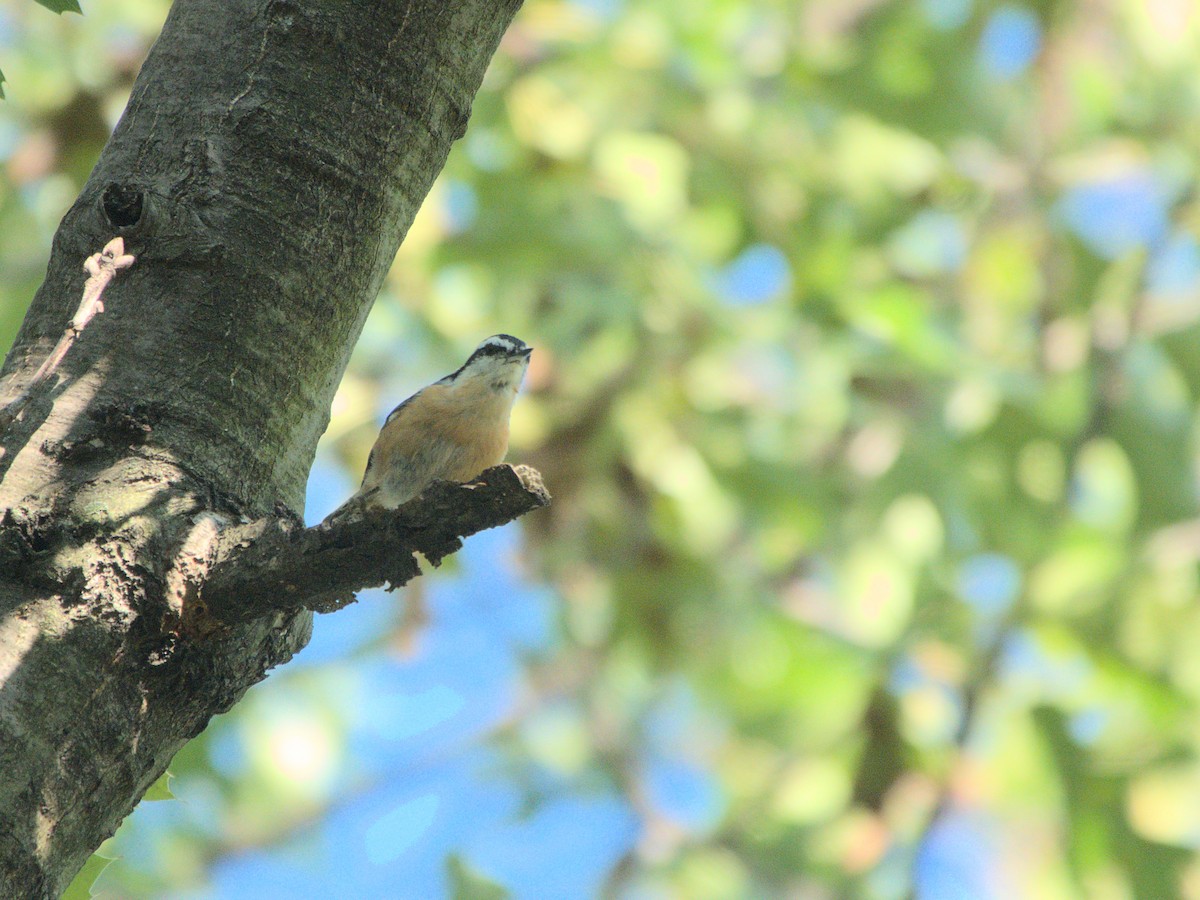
x: 371, y: 456
x: 403, y: 403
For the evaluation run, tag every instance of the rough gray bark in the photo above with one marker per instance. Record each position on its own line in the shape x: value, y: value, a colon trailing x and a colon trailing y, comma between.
x: 276, y: 565
x: 272, y: 156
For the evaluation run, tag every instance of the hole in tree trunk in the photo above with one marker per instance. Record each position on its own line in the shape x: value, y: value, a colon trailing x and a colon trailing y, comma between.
x: 122, y: 205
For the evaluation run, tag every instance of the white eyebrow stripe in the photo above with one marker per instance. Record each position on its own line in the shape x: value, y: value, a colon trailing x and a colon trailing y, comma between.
x: 509, y: 346
x: 503, y: 341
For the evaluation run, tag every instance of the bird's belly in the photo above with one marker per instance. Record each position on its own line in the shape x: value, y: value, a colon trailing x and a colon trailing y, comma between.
x: 440, y: 461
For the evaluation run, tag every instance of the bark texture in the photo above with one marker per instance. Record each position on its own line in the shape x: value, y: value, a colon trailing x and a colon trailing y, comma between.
x: 276, y: 565
x: 272, y: 156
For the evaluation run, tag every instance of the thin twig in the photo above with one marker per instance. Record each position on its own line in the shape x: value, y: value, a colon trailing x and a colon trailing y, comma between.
x: 101, y: 267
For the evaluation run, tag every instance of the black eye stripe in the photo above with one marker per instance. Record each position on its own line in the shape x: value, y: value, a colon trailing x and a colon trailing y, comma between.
x: 499, y: 345
x: 504, y: 346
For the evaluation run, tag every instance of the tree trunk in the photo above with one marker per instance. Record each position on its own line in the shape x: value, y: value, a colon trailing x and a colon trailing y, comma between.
x: 270, y: 160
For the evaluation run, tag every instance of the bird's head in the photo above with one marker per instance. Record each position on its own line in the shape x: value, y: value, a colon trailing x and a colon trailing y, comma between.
x: 499, y: 361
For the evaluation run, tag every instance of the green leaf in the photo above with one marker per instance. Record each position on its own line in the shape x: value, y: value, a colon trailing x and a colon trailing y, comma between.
x: 81, y: 887
x: 161, y: 789
x: 468, y: 884
x: 61, y: 6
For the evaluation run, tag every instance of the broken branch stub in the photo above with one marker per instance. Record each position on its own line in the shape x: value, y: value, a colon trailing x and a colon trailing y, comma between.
x: 276, y: 565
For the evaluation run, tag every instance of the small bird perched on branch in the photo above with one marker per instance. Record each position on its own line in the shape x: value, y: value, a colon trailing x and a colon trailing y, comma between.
x: 450, y: 431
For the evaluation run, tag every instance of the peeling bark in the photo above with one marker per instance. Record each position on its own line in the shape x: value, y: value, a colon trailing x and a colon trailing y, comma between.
x: 272, y: 156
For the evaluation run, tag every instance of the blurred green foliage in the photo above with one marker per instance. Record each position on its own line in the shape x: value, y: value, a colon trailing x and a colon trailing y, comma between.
x: 866, y: 386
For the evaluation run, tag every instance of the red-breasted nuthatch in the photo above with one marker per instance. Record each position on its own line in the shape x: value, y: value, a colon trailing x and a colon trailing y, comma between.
x: 451, y: 430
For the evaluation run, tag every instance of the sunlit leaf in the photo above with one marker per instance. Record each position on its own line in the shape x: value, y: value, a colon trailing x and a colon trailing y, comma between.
x: 468, y: 884
x: 161, y: 789
x: 80, y: 887
x: 61, y: 6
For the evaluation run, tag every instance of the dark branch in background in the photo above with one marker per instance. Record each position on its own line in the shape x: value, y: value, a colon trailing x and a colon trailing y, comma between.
x: 276, y: 565
x: 983, y: 677
x: 101, y: 267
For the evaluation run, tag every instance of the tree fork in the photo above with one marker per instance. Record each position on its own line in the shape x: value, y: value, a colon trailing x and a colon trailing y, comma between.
x: 271, y: 158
